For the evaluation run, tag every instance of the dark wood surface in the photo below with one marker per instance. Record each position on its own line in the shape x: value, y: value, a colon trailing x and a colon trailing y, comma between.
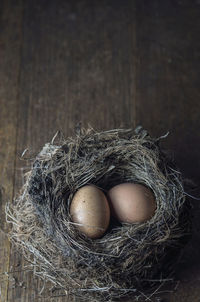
x: 105, y: 63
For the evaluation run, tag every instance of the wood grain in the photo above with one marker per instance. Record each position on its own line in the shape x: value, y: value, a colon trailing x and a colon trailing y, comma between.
x: 167, y: 98
x: 70, y: 74
x: 167, y: 77
x: 105, y: 63
x: 10, y: 43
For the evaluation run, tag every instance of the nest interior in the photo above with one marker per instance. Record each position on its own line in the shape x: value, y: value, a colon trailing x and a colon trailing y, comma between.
x: 129, y: 258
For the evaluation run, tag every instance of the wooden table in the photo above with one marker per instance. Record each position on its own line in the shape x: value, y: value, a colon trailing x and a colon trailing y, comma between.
x: 110, y: 64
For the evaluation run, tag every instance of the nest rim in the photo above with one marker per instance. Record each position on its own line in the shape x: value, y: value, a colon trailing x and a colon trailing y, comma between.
x: 122, y: 242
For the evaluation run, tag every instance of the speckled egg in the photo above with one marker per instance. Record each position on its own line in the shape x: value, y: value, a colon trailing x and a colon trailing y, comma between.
x: 90, y: 211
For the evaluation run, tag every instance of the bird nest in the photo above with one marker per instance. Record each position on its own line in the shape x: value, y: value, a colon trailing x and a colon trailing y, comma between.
x: 130, y: 259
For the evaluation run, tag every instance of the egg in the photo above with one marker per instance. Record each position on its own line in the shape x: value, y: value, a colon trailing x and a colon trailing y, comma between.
x: 132, y: 202
x: 90, y: 211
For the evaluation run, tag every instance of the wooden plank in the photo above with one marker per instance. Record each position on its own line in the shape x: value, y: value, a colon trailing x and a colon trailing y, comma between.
x: 10, y: 43
x: 167, y: 98
x: 75, y: 67
x: 167, y: 72
x: 96, y: 62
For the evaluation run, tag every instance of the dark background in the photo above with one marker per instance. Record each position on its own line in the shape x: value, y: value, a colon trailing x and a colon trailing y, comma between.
x: 110, y: 64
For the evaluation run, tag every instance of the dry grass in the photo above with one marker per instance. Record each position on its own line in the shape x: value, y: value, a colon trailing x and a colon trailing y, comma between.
x: 129, y: 258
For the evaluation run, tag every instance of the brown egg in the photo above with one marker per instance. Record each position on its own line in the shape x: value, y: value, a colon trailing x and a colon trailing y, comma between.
x: 90, y: 210
x: 132, y: 202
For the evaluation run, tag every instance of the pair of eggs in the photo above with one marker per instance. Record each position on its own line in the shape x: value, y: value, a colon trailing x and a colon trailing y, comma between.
x: 90, y: 208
